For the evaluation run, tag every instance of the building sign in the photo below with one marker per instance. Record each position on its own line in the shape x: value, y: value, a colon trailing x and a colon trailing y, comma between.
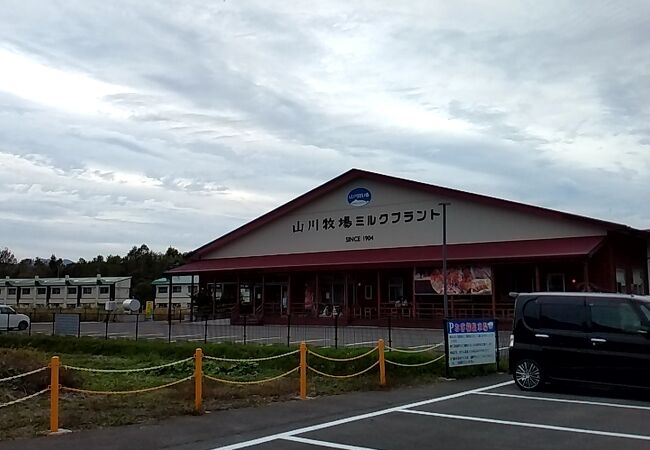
x: 361, y: 222
x: 461, y: 280
x: 470, y: 342
x: 359, y: 197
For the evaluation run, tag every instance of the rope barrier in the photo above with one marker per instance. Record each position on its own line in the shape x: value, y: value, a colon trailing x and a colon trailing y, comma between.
x: 342, y: 359
x: 329, y: 375
x: 2, y: 380
x: 268, y: 358
x: 221, y: 380
x: 428, y: 349
x: 23, y: 399
x: 135, y: 391
x: 415, y: 365
x: 142, y: 369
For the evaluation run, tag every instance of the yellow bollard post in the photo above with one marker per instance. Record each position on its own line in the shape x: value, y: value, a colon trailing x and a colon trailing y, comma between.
x: 54, y: 394
x: 198, y: 380
x: 303, y: 371
x: 382, y: 363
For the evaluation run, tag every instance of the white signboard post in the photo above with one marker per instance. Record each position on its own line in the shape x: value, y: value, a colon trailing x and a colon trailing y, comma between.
x: 471, y: 342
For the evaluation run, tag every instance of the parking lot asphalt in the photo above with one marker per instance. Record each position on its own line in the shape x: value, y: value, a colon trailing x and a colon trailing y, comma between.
x: 487, y: 412
x: 213, y: 331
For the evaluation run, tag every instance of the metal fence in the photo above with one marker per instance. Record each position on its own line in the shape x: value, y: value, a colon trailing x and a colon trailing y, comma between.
x: 291, y: 331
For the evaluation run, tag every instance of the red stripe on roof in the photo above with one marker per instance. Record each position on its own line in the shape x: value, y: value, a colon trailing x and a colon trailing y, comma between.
x: 487, y: 251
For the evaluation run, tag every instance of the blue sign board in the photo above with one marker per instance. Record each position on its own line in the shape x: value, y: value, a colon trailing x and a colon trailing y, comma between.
x: 359, y: 197
x: 470, y: 326
x: 471, y: 342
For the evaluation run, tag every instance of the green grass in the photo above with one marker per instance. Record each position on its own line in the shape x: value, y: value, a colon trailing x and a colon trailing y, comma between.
x: 22, y: 353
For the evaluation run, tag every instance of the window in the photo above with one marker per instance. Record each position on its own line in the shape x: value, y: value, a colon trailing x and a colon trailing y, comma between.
x: 25, y: 291
x: 395, y: 289
x: 244, y: 294
x: 638, y: 283
x: 103, y: 290
x: 87, y: 291
x: 613, y: 316
x: 176, y: 289
x: 72, y: 290
x: 0, y: 291
x: 56, y: 291
x: 621, y: 287
x: 566, y: 314
x: 11, y: 291
x: 189, y: 289
x: 162, y: 289
x: 6, y: 310
x: 531, y: 314
x: 218, y: 292
x: 41, y: 291
x: 645, y: 309
x: 555, y: 282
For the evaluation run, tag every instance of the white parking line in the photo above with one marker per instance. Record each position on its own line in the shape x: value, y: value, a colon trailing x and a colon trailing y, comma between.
x: 175, y: 336
x: 345, y: 420
x: 221, y: 337
x: 324, y: 443
x: 359, y: 343
x: 258, y: 339
x: 308, y: 340
x: 529, y: 425
x: 427, y: 346
x: 566, y: 400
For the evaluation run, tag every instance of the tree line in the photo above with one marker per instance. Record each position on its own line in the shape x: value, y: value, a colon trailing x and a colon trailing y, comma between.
x: 140, y: 263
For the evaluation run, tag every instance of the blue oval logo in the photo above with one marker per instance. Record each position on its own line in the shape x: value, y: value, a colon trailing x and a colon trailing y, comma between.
x: 359, y: 197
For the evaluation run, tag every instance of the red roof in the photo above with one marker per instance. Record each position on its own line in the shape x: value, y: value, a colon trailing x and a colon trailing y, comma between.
x: 405, y: 256
x: 355, y: 174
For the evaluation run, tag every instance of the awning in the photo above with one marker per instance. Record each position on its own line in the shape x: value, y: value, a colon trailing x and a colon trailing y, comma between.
x: 401, y: 256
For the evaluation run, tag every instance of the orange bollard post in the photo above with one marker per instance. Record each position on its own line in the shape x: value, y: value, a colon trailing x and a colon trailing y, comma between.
x: 382, y: 363
x: 54, y: 394
x: 303, y: 371
x: 198, y: 380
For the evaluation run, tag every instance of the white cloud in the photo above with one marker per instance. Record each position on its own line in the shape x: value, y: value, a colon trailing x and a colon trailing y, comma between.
x: 54, y: 88
x: 124, y: 123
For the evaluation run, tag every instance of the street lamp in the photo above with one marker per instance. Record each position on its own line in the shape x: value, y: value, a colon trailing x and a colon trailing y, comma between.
x: 445, y: 301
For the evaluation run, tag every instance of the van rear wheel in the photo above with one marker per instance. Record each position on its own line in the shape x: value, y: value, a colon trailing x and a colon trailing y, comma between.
x: 22, y: 326
x: 528, y: 375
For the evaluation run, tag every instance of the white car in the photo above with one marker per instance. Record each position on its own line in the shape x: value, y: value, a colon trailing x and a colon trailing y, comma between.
x: 10, y: 320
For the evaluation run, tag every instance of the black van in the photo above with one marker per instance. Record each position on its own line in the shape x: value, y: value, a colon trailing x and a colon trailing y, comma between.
x: 586, y: 337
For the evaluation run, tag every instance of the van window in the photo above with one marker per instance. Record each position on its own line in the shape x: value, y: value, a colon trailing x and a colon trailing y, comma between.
x: 613, y: 316
x: 645, y: 309
x: 557, y: 313
x: 531, y: 314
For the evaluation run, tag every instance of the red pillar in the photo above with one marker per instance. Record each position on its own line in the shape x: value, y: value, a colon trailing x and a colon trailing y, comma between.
x: 413, y: 292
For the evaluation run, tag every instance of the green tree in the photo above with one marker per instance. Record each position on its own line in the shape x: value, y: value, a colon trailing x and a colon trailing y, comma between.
x: 7, y: 257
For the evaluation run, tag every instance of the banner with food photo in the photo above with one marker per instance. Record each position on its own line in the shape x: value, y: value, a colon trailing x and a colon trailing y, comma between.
x: 462, y: 280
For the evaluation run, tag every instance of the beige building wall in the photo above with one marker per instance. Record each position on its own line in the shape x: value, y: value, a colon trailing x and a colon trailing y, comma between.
x: 410, y: 220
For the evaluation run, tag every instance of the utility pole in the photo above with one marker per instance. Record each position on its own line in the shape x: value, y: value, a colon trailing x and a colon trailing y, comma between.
x: 445, y: 300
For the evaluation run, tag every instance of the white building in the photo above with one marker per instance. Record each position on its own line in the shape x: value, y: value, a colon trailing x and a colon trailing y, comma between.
x: 181, y: 289
x: 64, y: 292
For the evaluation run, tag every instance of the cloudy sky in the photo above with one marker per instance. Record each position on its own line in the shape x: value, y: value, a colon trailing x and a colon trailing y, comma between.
x: 172, y: 123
